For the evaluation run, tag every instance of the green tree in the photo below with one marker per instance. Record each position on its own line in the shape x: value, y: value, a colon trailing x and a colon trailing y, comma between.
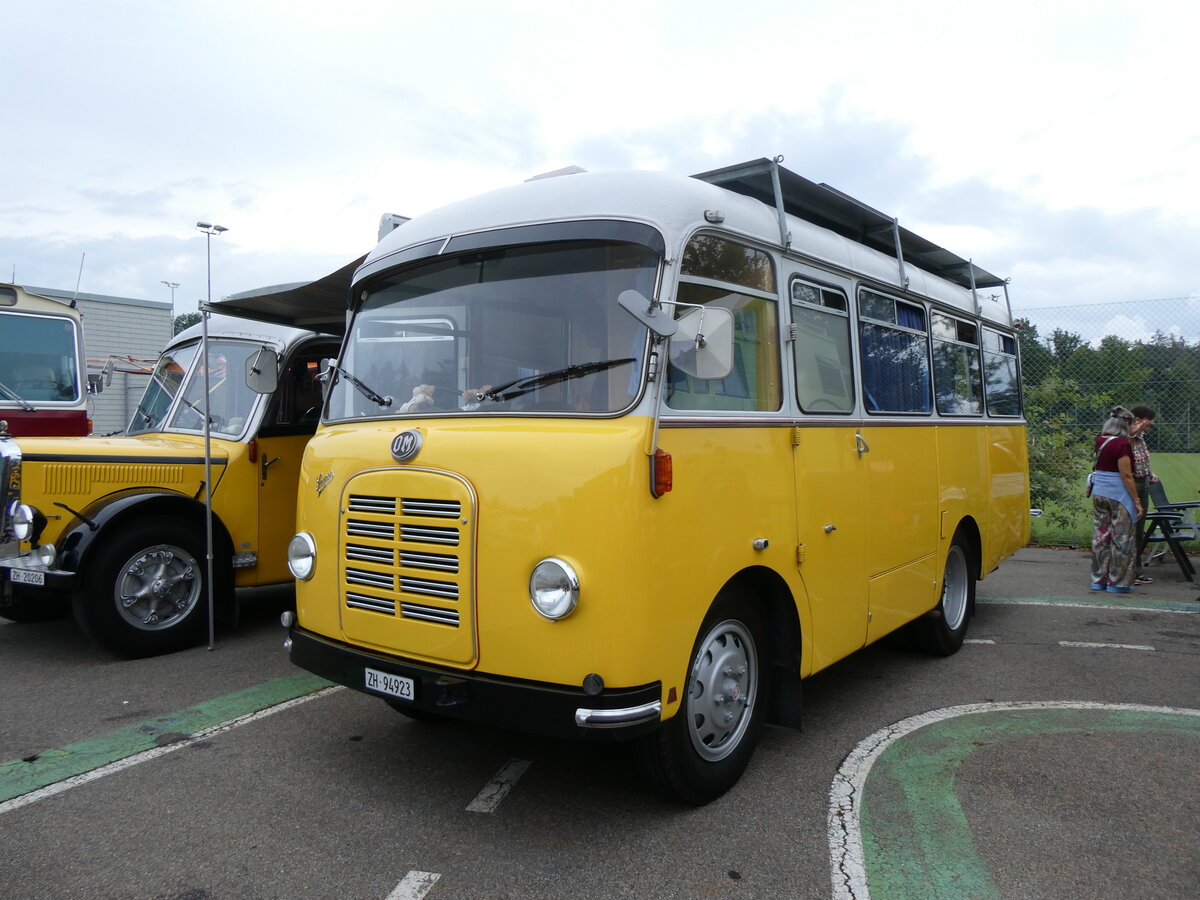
x: 185, y: 320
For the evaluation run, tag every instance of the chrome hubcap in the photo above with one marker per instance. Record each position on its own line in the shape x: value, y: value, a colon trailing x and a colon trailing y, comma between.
x: 722, y: 690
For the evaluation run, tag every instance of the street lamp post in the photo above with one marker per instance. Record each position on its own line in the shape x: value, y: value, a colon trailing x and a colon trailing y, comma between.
x: 208, y: 230
x: 172, y: 285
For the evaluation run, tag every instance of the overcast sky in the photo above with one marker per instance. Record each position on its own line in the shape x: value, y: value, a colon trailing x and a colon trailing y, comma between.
x: 1056, y: 143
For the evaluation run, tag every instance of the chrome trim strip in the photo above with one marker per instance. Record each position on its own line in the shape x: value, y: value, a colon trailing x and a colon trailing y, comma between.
x: 615, y: 718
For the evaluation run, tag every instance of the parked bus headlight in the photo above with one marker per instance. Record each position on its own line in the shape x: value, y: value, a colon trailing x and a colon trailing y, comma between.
x: 554, y: 588
x: 46, y: 555
x: 23, y: 519
x: 302, y: 556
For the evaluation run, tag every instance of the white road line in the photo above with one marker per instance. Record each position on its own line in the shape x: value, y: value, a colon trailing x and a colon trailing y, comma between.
x: 414, y: 886
x: 846, y: 860
x: 1092, y: 646
x: 979, y: 641
x: 121, y: 765
x: 495, y: 790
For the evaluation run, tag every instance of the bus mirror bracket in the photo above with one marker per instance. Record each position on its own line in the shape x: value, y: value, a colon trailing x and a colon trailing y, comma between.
x: 262, y: 376
x: 702, y: 346
x: 650, y: 313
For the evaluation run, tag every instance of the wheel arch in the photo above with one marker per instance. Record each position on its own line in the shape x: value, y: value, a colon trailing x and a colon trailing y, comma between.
x: 79, y: 542
x: 770, y: 594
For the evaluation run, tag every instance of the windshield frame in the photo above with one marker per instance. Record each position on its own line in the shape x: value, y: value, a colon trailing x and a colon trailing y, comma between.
x: 373, y: 279
x: 167, y: 420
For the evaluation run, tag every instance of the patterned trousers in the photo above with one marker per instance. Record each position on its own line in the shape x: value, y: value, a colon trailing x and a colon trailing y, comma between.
x: 1114, y: 542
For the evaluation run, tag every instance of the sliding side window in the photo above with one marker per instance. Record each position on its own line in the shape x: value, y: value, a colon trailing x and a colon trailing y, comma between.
x: 1001, y: 385
x: 957, y: 378
x: 824, y: 380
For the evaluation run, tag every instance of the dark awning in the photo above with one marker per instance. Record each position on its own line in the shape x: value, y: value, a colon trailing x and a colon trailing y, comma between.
x: 316, y: 305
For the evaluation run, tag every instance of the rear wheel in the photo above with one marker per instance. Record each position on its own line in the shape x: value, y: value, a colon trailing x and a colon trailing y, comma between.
x: 145, y: 591
x: 702, y: 751
x: 942, y: 631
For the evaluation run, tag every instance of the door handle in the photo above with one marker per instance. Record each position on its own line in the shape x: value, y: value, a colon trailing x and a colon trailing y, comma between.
x: 266, y: 464
x: 863, y: 447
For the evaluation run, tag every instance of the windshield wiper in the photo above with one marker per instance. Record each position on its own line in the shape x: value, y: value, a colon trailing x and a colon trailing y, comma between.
x: 14, y: 396
x: 533, y: 382
x: 362, y: 388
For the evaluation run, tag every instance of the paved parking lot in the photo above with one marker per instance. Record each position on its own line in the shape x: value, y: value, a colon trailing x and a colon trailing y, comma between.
x: 1054, y: 756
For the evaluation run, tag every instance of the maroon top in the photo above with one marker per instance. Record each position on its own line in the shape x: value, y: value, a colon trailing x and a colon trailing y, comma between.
x: 1113, y: 451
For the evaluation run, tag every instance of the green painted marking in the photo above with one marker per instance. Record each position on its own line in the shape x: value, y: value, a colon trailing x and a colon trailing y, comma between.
x: 52, y: 766
x: 1098, y: 598
x: 916, y: 839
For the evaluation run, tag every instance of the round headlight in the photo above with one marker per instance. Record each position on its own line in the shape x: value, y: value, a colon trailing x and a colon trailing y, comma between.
x: 302, y: 556
x: 554, y: 588
x: 45, y: 555
x: 22, y: 522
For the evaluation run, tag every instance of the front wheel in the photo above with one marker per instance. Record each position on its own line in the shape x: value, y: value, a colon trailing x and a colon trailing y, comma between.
x: 942, y: 631
x: 145, y: 591
x: 701, y: 752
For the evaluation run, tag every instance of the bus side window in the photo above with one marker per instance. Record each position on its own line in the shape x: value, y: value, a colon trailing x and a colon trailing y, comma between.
x: 957, y: 382
x: 894, y: 343
x: 755, y: 382
x: 824, y: 367
x: 1002, y: 388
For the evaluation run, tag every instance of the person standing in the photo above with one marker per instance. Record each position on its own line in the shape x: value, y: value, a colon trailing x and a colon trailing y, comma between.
x: 1143, y: 477
x: 1115, y: 506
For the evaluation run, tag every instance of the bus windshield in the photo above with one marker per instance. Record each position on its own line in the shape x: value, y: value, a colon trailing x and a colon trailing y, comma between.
x: 38, y: 359
x: 160, y: 393
x: 532, y: 328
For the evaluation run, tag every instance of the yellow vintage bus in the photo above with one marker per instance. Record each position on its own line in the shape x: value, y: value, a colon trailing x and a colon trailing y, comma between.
x: 628, y: 456
x: 115, y: 528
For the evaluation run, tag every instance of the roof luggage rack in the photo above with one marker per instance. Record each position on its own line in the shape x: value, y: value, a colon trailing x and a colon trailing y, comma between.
x: 768, y: 182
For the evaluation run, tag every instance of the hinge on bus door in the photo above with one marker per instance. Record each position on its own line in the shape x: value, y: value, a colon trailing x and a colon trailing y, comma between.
x: 795, y: 435
x: 799, y: 555
x: 653, y: 368
x: 792, y: 333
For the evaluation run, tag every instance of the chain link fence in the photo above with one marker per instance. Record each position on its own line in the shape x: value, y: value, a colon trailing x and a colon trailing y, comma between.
x: 1080, y: 361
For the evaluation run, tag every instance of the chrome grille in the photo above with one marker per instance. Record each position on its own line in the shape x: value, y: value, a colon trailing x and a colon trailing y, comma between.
x: 451, y: 509
x: 385, y: 540
x: 358, y: 528
x: 429, y: 614
x: 382, y: 555
x: 429, y: 535
x: 384, y: 505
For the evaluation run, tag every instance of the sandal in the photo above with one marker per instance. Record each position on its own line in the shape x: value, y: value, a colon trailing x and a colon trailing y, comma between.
x: 1143, y: 579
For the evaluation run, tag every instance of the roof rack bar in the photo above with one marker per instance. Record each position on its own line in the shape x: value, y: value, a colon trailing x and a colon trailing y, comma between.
x: 785, y: 236
x: 904, y: 282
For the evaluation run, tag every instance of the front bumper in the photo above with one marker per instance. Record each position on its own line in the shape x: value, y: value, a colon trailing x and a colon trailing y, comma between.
x: 23, y: 572
x: 550, y: 709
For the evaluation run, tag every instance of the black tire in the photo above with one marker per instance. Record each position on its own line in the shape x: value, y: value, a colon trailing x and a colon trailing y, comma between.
x: 703, y: 749
x: 145, y: 590
x: 941, y: 632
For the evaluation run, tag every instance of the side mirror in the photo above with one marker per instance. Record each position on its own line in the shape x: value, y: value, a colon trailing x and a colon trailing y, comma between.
x: 702, y: 346
x: 650, y: 313
x: 95, y: 383
x: 262, y: 371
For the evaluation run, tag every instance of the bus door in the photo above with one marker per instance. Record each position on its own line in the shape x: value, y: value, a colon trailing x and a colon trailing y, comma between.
x: 831, y: 500
x: 901, y: 469
x: 289, y: 423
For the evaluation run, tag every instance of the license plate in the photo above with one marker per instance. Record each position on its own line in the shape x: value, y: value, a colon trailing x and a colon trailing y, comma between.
x: 386, y: 683
x: 26, y: 576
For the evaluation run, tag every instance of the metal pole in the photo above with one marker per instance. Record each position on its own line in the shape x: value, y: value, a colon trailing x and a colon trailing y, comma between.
x: 209, y: 230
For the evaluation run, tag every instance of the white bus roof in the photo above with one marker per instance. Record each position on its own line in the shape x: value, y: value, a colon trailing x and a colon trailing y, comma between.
x: 758, y: 200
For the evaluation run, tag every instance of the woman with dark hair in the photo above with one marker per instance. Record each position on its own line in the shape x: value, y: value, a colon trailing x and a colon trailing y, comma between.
x: 1143, y: 477
x: 1115, y: 506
